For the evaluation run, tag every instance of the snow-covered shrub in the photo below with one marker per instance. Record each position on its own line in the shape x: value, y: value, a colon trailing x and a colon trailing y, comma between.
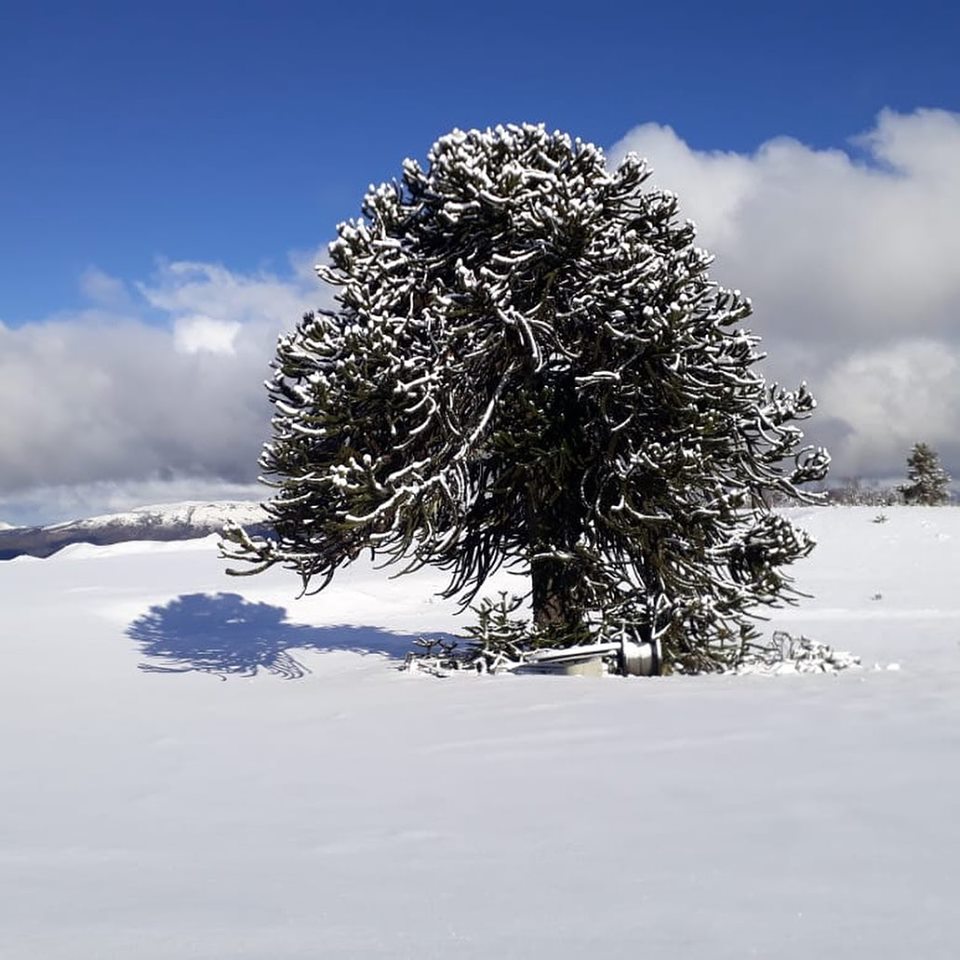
x: 529, y: 367
x: 786, y: 653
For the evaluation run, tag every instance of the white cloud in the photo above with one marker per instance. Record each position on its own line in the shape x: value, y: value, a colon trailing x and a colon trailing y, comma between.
x: 197, y: 334
x: 184, y: 288
x: 849, y: 258
x: 161, y: 392
x: 892, y: 397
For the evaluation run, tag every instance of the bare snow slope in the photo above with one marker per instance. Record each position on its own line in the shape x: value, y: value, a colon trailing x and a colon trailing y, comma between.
x: 358, y: 812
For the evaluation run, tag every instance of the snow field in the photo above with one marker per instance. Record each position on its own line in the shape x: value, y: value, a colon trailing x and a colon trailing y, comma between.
x: 360, y: 812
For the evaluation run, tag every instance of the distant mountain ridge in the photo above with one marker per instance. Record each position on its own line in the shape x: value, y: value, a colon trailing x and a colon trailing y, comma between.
x: 170, y: 521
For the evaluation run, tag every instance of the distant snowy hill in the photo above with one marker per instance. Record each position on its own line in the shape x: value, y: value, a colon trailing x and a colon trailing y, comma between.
x: 171, y: 521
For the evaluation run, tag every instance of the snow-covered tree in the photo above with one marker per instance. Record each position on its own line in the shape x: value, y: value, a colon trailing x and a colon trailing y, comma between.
x: 529, y: 367
x: 929, y: 482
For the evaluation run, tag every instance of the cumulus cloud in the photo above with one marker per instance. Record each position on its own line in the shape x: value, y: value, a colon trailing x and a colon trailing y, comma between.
x: 889, y: 398
x: 151, y: 389
x: 850, y: 258
x: 198, y: 333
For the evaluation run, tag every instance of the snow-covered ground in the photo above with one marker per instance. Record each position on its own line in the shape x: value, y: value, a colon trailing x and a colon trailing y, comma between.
x: 354, y: 811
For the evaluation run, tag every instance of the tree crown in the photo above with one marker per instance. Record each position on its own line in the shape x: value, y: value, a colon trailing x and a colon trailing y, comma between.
x: 929, y: 482
x: 530, y: 366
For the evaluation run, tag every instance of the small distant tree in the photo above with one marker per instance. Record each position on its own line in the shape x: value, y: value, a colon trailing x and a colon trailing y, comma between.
x: 929, y: 482
x: 529, y: 367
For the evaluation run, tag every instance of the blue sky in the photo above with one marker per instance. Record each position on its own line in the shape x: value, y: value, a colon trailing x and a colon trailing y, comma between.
x: 234, y: 132
x: 169, y: 173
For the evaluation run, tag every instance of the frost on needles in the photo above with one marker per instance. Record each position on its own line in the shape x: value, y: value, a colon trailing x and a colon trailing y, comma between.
x: 530, y: 368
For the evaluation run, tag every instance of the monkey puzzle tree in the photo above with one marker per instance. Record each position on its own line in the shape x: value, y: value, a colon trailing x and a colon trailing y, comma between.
x: 530, y: 367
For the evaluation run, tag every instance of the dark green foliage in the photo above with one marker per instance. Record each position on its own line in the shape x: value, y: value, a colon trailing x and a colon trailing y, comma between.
x: 530, y: 367
x: 498, y: 635
x: 929, y: 482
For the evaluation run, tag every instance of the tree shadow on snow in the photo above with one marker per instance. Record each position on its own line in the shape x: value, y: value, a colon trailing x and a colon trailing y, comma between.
x: 223, y: 633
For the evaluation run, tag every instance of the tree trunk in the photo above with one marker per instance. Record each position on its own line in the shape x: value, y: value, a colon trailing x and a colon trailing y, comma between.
x: 557, y: 588
x: 555, y: 520
x: 554, y: 597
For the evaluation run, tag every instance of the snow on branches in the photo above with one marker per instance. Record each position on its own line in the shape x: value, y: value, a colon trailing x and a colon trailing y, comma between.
x: 929, y: 483
x: 529, y: 366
